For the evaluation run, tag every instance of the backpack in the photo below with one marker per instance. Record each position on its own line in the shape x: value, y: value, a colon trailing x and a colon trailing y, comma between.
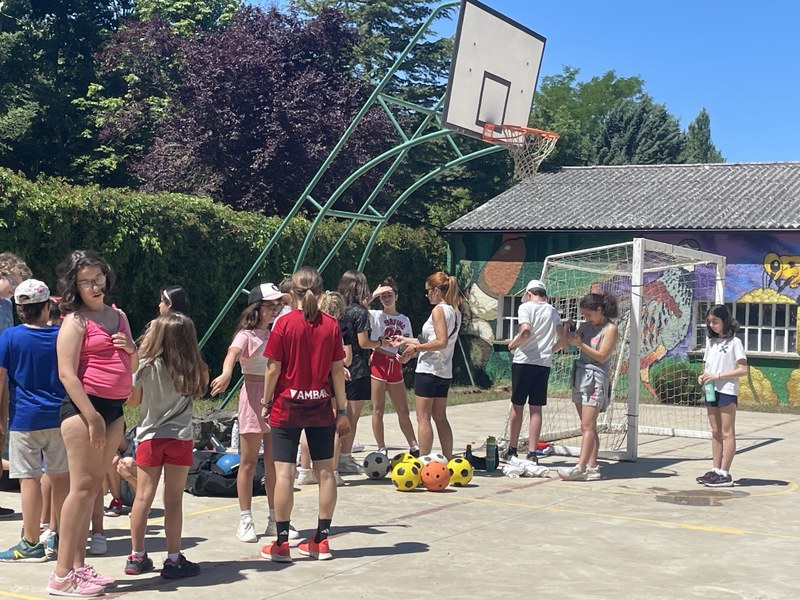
x: 205, y: 479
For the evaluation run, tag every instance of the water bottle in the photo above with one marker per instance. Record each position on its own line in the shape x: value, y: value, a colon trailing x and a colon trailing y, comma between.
x: 708, y: 388
x: 216, y: 444
x: 491, y: 454
x: 235, y: 435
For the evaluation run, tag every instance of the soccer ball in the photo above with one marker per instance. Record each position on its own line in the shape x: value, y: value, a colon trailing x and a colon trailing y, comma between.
x: 376, y: 465
x: 434, y: 457
x: 416, y: 462
x: 435, y: 476
x: 402, y: 457
x: 460, y: 471
x: 406, y: 477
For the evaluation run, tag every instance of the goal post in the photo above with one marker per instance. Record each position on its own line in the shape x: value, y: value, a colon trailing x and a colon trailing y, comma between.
x: 661, y: 290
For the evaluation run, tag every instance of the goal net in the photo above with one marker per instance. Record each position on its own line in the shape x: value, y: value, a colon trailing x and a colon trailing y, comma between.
x: 661, y: 290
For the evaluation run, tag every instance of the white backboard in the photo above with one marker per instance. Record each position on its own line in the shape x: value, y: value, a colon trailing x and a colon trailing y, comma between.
x: 493, y: 73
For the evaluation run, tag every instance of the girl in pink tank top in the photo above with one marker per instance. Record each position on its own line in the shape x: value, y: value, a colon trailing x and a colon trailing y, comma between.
x: 96, y: 360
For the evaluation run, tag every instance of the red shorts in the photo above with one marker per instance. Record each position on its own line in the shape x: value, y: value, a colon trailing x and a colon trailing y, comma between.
x: 386, y: 368
x: 162, y: 451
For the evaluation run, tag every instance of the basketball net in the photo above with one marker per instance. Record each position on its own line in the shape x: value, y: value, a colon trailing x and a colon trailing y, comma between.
x: 528, y: 147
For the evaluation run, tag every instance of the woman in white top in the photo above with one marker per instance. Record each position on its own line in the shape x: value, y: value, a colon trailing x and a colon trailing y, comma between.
x: 264, y: 304
x: 434, y: 351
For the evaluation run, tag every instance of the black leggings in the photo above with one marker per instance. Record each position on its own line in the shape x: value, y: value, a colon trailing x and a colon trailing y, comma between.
x: 109, y: 409
x: 286, y: 439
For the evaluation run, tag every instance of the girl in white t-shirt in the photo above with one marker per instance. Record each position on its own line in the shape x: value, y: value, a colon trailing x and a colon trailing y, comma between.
x: 386, y: 368
x: 724, y: 362
x: 264, y: 304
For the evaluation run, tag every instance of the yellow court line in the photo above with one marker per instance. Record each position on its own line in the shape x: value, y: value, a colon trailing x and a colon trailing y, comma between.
x: 4, y: 594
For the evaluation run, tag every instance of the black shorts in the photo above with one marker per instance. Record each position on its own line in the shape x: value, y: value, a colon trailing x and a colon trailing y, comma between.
x: 529, y: 384
x: 359, y: 389
x: 109, y: 409
x: 431, y: 386
x: 285, y: 441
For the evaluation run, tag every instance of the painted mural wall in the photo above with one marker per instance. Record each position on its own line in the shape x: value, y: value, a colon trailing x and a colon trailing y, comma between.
x: 761, y: 268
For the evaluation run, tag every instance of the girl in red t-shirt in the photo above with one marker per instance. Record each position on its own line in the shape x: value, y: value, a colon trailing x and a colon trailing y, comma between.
x: 304, y: 349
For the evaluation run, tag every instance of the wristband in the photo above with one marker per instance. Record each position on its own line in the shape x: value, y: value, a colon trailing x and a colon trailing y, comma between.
x: 341, y: 412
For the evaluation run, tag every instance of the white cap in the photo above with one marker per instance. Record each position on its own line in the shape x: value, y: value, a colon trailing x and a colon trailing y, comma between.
x: 535, y: 284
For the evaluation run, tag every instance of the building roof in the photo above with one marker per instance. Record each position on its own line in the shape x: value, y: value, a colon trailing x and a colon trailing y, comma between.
x: 733, y: 196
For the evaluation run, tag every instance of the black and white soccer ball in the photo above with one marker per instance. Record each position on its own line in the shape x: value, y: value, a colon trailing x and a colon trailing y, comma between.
x: 376, y: 465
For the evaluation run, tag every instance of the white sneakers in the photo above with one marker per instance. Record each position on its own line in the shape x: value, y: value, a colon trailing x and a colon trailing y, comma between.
x: 246, y: 531
x: 575, y: 473
x: 272, y: 530
x: 306, y: 476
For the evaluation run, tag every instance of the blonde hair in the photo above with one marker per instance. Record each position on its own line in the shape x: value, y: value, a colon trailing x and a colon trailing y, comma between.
x: 332, y: 303
x: 11, y: 264
x: 173, y: 339
x: 306, y: 287
x: 447, y: 285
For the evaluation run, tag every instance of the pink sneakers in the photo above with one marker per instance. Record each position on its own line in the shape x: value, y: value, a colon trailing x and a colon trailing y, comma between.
x: 73, y: 585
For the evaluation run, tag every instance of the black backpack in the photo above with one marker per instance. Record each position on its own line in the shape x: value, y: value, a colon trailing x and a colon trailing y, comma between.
x: 205, y: 479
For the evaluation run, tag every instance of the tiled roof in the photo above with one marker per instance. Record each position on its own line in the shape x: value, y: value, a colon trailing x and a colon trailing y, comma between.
x: 641, y: 197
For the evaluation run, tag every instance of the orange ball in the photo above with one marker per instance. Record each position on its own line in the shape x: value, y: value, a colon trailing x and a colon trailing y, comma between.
x: 435, y: 476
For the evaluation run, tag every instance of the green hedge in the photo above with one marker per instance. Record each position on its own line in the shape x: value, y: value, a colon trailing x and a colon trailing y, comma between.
x: 153, y: 240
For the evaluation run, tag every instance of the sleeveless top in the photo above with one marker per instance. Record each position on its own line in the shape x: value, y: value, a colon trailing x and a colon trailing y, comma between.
x: 103, y: 369
x: 593, y: 336
x: 439, y: 362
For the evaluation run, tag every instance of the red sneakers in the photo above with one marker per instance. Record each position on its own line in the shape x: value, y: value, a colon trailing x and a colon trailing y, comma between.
x: 277, y: 552
x: 320, y: 551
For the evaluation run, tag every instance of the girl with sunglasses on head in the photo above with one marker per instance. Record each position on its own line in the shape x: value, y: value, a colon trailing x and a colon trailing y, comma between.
x: 96, y: 360
x: 434, y: 350
x: 264, y: 304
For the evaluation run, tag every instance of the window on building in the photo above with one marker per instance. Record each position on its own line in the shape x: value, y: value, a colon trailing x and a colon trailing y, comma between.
x: 763, y: 327
x: 508, y: 307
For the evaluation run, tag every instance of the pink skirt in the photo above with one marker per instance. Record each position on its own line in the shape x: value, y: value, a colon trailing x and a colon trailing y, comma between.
x: 251, y: 395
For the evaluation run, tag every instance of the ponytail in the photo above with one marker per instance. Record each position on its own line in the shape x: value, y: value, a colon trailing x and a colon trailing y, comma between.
x: 306, y: 287
x: 310, y: 307
x: 448, y: 285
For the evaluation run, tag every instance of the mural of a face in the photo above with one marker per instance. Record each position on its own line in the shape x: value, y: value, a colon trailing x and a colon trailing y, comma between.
x: 783, y: 270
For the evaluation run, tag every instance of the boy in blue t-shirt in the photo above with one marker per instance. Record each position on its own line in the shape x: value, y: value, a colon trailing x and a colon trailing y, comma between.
x: 28, y: 356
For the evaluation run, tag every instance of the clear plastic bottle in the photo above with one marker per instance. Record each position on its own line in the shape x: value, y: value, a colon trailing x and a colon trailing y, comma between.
x: 235, y: 435
x: 216, y: 444
x: 710, y: 392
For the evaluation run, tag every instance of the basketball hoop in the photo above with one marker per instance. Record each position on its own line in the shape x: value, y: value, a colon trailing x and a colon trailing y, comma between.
x: 527, y: 146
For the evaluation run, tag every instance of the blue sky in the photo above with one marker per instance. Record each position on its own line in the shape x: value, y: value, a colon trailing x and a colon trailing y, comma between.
x: 739, y: 60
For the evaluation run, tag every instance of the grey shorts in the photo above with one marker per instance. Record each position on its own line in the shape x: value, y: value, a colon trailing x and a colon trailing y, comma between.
x: 30, y: 451
x: 590, y: 387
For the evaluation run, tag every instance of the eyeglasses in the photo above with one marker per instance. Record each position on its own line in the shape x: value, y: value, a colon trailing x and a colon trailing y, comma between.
x: 274, y: 305
x: 11, y: 282
x: 98, y: 282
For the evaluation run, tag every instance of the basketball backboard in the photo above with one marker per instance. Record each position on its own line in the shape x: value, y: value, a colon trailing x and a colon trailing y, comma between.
x: 493, y: 73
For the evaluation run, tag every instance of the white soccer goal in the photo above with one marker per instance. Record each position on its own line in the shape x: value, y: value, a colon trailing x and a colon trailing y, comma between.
x: 661, y: 289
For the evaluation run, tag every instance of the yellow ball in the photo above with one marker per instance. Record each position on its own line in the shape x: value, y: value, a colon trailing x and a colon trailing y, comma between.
x: 399, y: 458
x: 406, y: 476
x: 460, y: 471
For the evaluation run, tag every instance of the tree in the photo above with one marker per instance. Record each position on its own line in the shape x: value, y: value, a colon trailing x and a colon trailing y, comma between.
x: 699, y: 148
x: 46, y: 62
x: 258, y: 108
x: 188, y: 16
x: 576, y: 110
x: 639, y: 133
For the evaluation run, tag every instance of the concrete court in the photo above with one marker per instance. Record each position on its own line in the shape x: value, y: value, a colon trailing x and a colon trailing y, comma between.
x: 647, y: 530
